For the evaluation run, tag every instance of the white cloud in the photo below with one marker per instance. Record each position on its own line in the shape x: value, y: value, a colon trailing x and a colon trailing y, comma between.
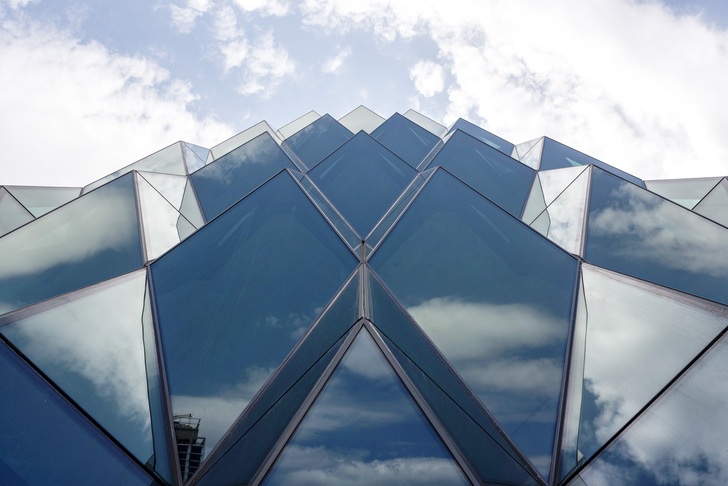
x: 264, y: 7
x: 267, y: 65
x: 333, y: 64
x: 428, y: 78
x: 16, y: 4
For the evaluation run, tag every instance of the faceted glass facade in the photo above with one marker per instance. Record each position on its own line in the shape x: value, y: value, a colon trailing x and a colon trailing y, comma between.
x: 365, y: 301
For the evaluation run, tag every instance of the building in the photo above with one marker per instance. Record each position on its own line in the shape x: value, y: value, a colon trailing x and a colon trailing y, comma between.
x: 365, y: 301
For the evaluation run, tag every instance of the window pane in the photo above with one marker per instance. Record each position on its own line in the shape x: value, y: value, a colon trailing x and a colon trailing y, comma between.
x: 484, y: 136
x: 405, y: 138
x: 12, y: 213
x: 40, y: 200
x: 314, y: 142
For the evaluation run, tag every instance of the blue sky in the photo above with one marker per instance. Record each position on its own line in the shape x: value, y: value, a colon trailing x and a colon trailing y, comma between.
x: 87, y: 87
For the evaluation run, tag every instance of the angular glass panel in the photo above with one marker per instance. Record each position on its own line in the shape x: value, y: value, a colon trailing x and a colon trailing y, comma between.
x: 567, y: 215
x: 680, y: 439
x: 685, y: 192
x: 192, y: 160
x: 172, y: 187
x: 242, y: 138
x: 361, y: 118
x: 638, y: 337
x: 47, y: 441
x: 632, y: 231
x: 364, y: 427
x: 362, y: 179
x: 169, y: 160
x: 232, y: 300
x: 184, y: 228
x: 715, y: 204
x: 473, y: 430
x: 12, y: 213
x: 224, y: 182
x: 287, y: 130
x: 94, y: 238
x: 405, y: 138
x: 493, y: 296
x: 425, y: 122
x: 553, y: 182
x: 529, y: 153
x: 341, y: 226
x: 190, y: 208
x: 483, y: 135
x: 200, y: 152
x: 159, y: 220
x: 99, y: 362
x: 495, y: 175
x: 542, y: 223
x: 535, y: 204
x: 317, y: 140
x: 557, y: 155
x: 41, y: 200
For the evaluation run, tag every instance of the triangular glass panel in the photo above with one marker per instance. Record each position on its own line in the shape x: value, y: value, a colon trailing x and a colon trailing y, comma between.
x: 316, y: 141
x: 172, y: 187
x: 184, y: 228
x: 679, y: 439
x: 490, y: 172
x: 192, y: 159
x: 480, y: 440
x: 685, y: 192
x: 425, y: 122
x: 535, y: 205
x: 90, y: 239
x: 553, y: 182
x: 12, y: 213
x: 361, y: 118
x: 101, y: 363
x: 638, y: 336
x: 259, y: 428
x: 362, y: 179
x: 529, y: 153
x: 567, y: 215
x: 301, y: 122
x: 715, y: 204
x: 494, y: 297
x: 201, y: 152
x: 364, y: 427
x: 240, y: 139
x: 405, y: 138
x: 41, y: 200
x: 227, y: 180
x: 633, y: 231
x: 190, y: 208
x: 483, y: 135
x: 274, y: 263
x: 46, y: 440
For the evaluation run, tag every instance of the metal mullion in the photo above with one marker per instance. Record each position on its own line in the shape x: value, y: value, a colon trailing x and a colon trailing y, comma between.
x: 402, y: 195
x: 422, y: 405
x: 297, y: 419
x: 140, y: 217
x: 704, y: 195
x: 7, y: 191
x: 533, y: 183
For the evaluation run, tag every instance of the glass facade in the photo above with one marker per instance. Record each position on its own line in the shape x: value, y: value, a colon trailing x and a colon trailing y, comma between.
x: 365, y: 301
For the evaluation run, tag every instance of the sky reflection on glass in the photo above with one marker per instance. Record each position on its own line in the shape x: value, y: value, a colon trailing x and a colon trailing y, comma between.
x: 405, y: 138
x: 317, y: 140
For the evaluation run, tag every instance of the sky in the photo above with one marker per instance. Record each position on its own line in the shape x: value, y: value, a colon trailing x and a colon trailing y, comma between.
x: 87, y: 87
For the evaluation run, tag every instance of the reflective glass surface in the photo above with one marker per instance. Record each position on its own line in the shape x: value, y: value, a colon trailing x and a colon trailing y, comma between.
x: 184, y: 228
x: 334, y: 216
x: 94, y: 238
x: 316, y: 141
x: 493, y: 296
x: 638, y: 336
x: 685, y: 192
x: 225, y: 181
x: 98, y: 361
x: 159, y: 220
x: 680, y: 439
x: 47, y: 441
x: 232, y: 300
x: 190, y: 208
x: 405, y: 138
x: 535, y: 203
x: 362, y: 179
x: 425, y: 122
x: 12, y: 213
x: 555, y: 181
x: 365, y: 428
x: 361, y: 118
x: 632, y: 231
x: 567, y: 215
x: 529, y: 153
x: 194, y: 156
x: 40, y: 200
x: 172, y: 187
x: 297, y: 124
x: 242, y: 138
x: 715, y: 204
x: 483, y: 135
x: 501, y: 179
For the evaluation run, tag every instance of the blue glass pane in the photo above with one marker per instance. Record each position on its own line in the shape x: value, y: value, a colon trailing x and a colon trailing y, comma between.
x: 680, y: 439
x: 556, y: 155
x: 484, y: 136
x: 362, y: 179
x: 234, y: 298
x: 314, y: 142
x: 229, y: 178
x: 46, y: 441
x: 500, y: 178
x: 327, y: 208
x: 468, y: 424
x: 405, y: 138
x: 633, y: 231
x: 493, y: 296
x: 94, y: 238
x: 364, y: 428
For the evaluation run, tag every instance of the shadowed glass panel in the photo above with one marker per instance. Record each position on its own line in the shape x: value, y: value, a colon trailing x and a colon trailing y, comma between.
x: 47, y: 441
x: 501, y: 179
x: 685, y: 192
x: 314, y: 142
x: 225, y: 181
x: 493, y: 296
x: 680, y: 439
x: 12, y: 213
x: 364, y: 428
x: 632, y: 231
x: 405, y: 138
x: 362, y: 179
x: 638, y: 337
x: 94, y: 238
x: 483, y: 135
x: 92, y: 346
x: 41, y: 200
x: 715, y: 204
x: 233, y: 299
